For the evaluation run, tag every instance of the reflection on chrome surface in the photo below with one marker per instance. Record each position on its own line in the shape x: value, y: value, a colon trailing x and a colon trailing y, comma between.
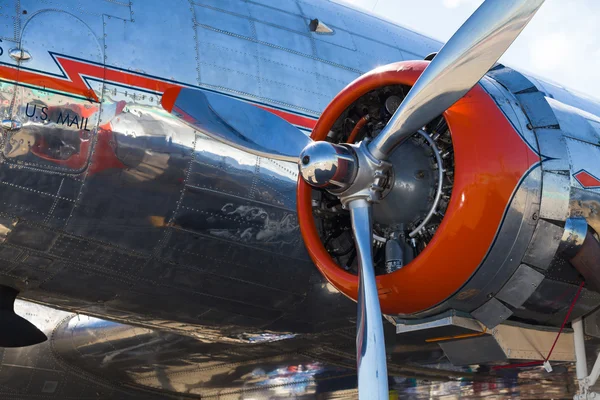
x: 123, y: 361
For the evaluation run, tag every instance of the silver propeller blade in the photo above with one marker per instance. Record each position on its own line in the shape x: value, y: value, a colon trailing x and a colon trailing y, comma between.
x: 236, y: 123
x: 459, y: 65
x: 370, y: 345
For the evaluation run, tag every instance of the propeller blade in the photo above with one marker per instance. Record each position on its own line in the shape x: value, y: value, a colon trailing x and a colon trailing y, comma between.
x: 459, y: 65
x: 15, y: 330
x: 370, y: 345
x: 236, y: 123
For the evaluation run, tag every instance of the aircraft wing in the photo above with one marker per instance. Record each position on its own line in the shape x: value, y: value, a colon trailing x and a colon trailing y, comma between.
x: 86, y: 357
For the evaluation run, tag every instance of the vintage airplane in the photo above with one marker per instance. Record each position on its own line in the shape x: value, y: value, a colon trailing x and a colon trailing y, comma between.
x: 172, y: 172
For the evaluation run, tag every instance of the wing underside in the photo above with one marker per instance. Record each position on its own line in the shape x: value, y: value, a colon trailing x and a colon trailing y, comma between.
x: 86, y: 357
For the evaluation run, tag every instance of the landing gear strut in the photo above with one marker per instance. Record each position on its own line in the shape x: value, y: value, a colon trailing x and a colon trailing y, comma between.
x: 585, y: 381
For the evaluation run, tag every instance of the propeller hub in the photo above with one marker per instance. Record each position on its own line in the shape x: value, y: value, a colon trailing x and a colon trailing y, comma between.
x: 328, y: 166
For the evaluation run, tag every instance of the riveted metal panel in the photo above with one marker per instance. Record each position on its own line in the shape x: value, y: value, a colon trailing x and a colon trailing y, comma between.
x: 514, y: 81
x: 289, y: 6
x: 525, y: 342
x: 334, y: 15
x: 246, y: 264
x: 280, y: 37
x: 50, y: 138
x: 565, y: 96
x: 313, y: 89
x: 269, y: 15
x: 32, y: 236
x: 8, y: 254
x: 227, y: 63
x: 584, y: 158
x: 232, y: 6
x: 382, y: 52
x: 413, y: 42
x: 543, y: 245
x: 553, y: 149
x: 307, y: 89
x: 576, y: 123
x: 234, y: 54
x: 476, y: 350
x: 7, y: 24
x: 574, y: 236
x: 450, y: 323
x: 555, y: 196
x: 16, y: 378
x: 96, y: 287
x: 223, y: 21
x: 278, y: 61
x: 90, y: 12
x: 233, y: 219
x: 345, y: 56
x: 586, y: 204
x: 588, y: 301
x: 339, y: 37
x: 520, y: 286
x: 96, y: 8
x: 44, y: 381
x: 538, y: 308
x: 536, y: 107
x: 511, y: 108
x: 138, y: 46
x: 505, y: 256
x: 492, y: 313
x: 368, y: 26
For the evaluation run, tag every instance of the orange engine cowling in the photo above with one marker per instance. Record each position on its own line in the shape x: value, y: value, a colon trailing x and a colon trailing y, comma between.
x: 490, y: 160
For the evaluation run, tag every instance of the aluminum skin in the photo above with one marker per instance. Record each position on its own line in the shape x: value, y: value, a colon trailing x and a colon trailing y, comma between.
x: 112, y: 208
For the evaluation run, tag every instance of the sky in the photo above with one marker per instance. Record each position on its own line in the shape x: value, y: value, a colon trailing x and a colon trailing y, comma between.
x: 561, y: 43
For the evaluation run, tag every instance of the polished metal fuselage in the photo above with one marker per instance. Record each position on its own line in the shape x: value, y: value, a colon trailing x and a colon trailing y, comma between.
x: 114, y: 208
x: 110, y: 207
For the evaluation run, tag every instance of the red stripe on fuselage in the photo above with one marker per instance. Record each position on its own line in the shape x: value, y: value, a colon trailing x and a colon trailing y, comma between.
x: 293, y: 119
x: 74, y: 83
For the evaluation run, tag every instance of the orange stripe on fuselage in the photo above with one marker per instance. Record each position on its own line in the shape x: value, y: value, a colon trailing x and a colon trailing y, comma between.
x: 73, y: 83
x: 491, y: 158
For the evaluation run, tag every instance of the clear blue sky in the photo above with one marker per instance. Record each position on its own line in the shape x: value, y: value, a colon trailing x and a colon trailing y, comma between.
x: 561, y: 43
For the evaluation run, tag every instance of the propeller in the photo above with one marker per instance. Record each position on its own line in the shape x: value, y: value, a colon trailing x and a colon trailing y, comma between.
x: 458, y: 66
x: 355, y: 172
x: 236, y: 123
x: 370, y: 345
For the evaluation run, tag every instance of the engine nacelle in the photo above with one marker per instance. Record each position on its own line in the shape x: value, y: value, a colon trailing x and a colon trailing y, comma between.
x: 493, y: 250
